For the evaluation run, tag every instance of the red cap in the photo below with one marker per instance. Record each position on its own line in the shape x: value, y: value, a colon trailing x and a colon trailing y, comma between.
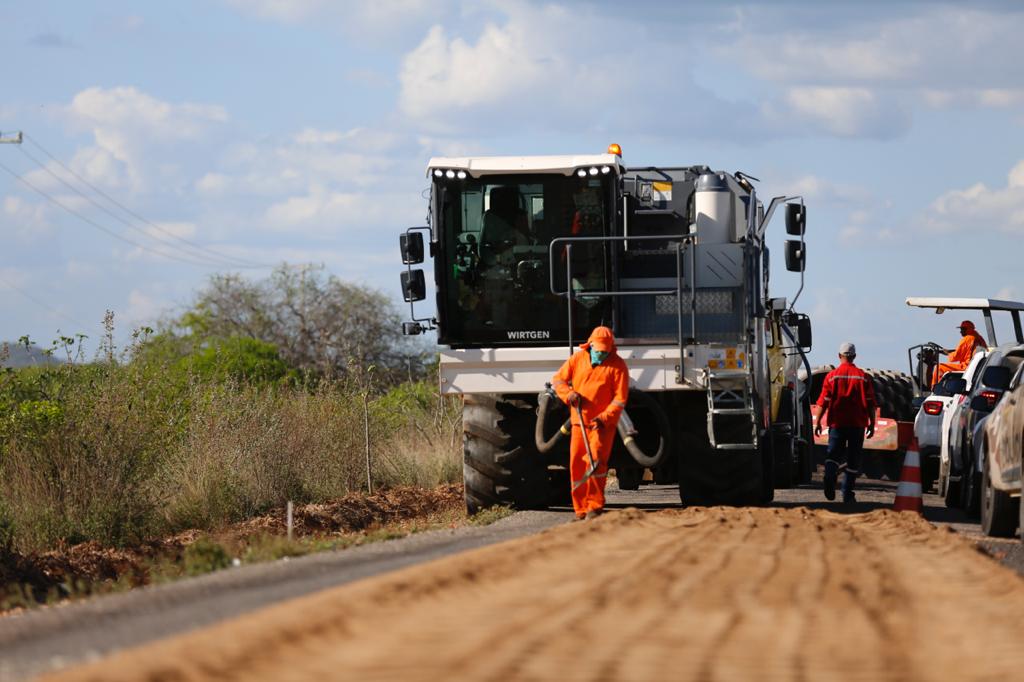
x: 967, y: 324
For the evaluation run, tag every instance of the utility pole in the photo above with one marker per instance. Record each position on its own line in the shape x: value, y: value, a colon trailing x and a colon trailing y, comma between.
x: 10, y: 138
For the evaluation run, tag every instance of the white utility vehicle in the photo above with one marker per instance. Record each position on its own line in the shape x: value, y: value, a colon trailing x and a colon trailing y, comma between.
x: 923, y: 359
x: 531, y: 253
x: 928, y: 424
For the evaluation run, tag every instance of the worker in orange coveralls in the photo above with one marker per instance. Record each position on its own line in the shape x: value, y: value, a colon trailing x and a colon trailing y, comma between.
x: 961, y: 356
x: 596, y: 381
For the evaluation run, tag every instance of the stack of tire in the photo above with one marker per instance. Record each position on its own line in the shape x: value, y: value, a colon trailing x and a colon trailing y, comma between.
x: 894, y: 392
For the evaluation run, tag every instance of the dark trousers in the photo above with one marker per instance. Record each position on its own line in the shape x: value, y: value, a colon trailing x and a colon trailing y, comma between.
x: 846, y: 445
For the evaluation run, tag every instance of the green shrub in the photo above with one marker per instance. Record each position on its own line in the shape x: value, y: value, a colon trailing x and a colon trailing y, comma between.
x: 205, y: 556
x: 238, y: 359
x: 120, y: 452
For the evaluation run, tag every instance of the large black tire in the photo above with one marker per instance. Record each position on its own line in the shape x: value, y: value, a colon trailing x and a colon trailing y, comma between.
x: 629, y: 478
x: 998, y: 510
x: 952, y: 494
x: 784, y: 471
x: 806, y: 451
x: 970, y: 484
x: 728, y: 477
x: 501, y: 465
x: 1020, y: 521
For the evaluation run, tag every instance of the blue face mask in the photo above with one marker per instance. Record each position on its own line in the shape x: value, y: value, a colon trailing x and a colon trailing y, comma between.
x: 597, y: 356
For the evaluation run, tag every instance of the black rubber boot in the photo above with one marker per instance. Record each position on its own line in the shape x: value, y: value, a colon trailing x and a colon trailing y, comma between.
x: 848, y: 483
x: 831, y: 473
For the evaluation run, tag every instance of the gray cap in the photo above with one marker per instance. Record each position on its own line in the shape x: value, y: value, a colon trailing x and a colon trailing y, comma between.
x: 847, y: 348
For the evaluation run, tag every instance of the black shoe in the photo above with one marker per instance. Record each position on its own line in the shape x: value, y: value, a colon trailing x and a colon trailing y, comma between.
x: 831, y: 474
x: 849, y: 498
x: 593, y: 514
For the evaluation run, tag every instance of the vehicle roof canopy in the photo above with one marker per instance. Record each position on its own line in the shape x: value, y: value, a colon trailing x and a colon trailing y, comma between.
x: 964, y: 303
x: 985, y: 305
x: 499, y: 165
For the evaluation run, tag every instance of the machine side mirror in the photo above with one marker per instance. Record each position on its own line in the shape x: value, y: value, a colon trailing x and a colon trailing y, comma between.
x: 411, y: 244
x: 796, y: 256
x: 803, y: 332
x: 796, y: 219
x: 414, y: 286
x: 801, y: 324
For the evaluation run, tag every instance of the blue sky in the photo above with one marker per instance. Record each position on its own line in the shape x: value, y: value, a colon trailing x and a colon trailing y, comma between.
x: 298, y: 130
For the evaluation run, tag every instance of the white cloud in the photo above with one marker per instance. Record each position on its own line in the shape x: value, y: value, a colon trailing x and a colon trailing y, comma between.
x: 27, y: 219
x: 864, y: 76
x: 143, y: 308
x: 362, y: 20
x: 820, y: 190
x: 939, y: 47
x: 130, y: 129
x: 325, y: 211
x: 212, y: 183
x: 979, y: 207
x: 840, y: 111
x: 1007, y: 293
x: 166, y: 231
x: 126, y: 108
x: 549, y: 68
x: 504, y: 64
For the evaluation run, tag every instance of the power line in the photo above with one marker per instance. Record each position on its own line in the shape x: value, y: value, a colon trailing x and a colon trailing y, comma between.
x: 46, y: 305
x: 106, y: 230
x: 207, y: 259
x: 231, y: 260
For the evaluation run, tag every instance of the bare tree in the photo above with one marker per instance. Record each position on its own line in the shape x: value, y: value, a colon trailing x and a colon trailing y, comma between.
x: 318, y: 322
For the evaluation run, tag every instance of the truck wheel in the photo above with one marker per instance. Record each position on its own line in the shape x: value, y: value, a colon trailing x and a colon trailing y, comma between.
x: 782, y: 464
x: 500, y: 464
x: 730, y: 477
x: 629, y: 478
x: 998, y: 509
x: 806, y: 454
x: 783, y: 469
x: 1021, y: 520
x: 970, y: 484
x: 951, y: 496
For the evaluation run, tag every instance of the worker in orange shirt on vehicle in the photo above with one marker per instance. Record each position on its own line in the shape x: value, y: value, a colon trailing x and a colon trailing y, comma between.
x: 594, y: 382
x: 961, y: 356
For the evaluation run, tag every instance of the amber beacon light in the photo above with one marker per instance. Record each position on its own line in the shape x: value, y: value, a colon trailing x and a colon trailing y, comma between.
x: 615, y: 149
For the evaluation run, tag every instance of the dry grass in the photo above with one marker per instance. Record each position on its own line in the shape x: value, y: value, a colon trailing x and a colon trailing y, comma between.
x: 123, y: 456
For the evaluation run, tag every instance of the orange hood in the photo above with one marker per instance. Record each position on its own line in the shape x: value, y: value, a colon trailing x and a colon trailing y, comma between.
x: 600, y: 339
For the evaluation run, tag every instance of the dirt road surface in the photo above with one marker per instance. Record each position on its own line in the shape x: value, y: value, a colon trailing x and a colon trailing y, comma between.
x: 700, y: 593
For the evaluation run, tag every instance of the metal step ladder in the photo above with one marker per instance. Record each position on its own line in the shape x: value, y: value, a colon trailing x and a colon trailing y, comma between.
x: 730, y: 394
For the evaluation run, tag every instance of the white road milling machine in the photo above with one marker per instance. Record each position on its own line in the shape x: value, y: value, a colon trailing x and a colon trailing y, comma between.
x: 531, y: 253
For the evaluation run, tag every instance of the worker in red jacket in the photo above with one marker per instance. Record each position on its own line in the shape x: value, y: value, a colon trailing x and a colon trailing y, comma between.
x: 847, y: 403
x: 594, y: 382
x: 960, y: 357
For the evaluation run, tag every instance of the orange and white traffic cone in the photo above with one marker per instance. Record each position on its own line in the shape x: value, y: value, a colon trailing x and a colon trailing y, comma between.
x: 908, y: 492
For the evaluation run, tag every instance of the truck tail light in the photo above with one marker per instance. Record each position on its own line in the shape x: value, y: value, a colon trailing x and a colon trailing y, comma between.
x: 991, y: 396
x: 932, y: 407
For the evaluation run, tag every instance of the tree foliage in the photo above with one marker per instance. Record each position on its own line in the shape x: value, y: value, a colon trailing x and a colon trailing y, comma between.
x: 318, y: 323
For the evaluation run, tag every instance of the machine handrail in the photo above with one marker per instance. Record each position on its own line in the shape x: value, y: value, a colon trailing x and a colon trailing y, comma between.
x: 681, y: 240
